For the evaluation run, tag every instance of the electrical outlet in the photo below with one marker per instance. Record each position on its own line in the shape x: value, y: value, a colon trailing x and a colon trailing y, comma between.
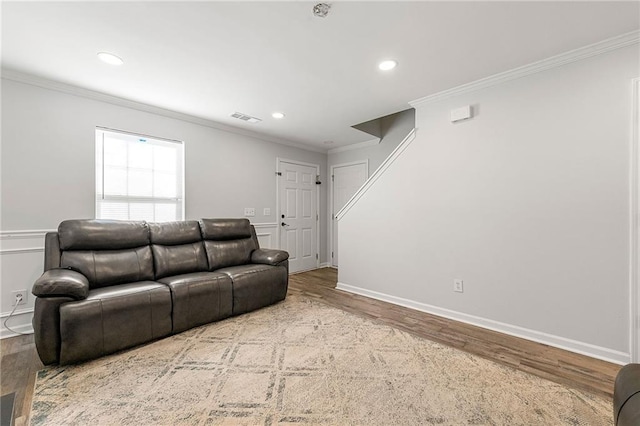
x: 458, y: 286
x: 19, y: 293
x: 249, y: 211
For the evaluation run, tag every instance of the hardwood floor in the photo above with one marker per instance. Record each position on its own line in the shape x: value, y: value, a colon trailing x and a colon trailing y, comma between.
x: 19, y: 361
x: 19, y: 365
x: 551, y: 363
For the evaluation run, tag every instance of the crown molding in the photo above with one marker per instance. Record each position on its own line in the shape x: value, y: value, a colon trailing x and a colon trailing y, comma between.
x: 358, y: 145
x: 575, y: 55
x: 70, y: 89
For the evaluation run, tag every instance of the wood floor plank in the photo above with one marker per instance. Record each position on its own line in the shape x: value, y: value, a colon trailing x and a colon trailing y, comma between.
x: 19, y: 364
x: 19, y: 361
x: 560, y: 366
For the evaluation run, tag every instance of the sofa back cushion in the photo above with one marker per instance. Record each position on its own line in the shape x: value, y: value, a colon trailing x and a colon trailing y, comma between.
x: 102, y: 234
x: 110, y: 267
x: 228, y: 242
x: 177, y: 248
x: 107, y: 252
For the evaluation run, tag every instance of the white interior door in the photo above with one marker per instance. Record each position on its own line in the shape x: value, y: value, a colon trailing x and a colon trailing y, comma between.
x: 298, y: 219
x: 346, y: 180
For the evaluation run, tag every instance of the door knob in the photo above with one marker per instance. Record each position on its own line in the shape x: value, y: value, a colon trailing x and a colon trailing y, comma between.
x: 284, y: 224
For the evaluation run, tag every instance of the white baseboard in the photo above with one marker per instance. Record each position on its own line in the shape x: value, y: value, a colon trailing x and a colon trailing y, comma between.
x: 20, y: 322
x: 324, y: 265
x: 583, y: 348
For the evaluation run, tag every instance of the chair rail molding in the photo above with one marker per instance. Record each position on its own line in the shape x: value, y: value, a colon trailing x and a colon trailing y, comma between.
x: 24, y: 233
x: 21, y: 250
x: 22, y: 241
x: 265, y: 225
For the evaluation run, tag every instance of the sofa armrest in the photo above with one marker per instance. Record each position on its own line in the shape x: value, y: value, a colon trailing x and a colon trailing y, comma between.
x: 626, y: 405
x: 269, y: 256
x: 61, y: 282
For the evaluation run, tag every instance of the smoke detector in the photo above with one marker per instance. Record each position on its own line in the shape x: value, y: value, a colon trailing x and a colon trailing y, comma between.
x: 321, y: 10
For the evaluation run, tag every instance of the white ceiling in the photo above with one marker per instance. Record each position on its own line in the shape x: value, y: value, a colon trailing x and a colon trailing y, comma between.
x: 210, y: 59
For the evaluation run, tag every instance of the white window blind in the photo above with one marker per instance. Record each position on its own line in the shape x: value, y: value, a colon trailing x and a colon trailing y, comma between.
x: 138, y: 177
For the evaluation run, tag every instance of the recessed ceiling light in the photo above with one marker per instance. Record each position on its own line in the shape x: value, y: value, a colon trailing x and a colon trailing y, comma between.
x: 278, y: 115
x: 110, y: 58
x: 387, y: 65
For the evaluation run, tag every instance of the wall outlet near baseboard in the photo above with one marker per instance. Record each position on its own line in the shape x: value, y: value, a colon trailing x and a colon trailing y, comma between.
x: 249, y: 211
x: 458, y: 286
x: 19, y: 293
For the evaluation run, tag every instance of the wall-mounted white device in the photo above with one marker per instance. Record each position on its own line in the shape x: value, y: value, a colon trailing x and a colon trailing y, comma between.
x: 462, y: 113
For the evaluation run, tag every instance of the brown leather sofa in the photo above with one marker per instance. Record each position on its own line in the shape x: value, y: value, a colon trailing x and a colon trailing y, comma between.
x: 111, y: 285
x: 626, y: 396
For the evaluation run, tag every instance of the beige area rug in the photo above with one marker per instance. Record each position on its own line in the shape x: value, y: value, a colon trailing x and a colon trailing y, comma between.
x: 301, y: 362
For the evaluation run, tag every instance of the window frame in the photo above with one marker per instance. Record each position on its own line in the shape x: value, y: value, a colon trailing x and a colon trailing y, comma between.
x: 100, y: 173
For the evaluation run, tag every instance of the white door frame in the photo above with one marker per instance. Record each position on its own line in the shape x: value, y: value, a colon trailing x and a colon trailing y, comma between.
x: 279, y: 213
x: 331, y: 214
x: 634, y: 260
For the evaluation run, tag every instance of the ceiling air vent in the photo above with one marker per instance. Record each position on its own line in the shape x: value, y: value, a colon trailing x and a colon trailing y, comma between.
x: 245, y: 117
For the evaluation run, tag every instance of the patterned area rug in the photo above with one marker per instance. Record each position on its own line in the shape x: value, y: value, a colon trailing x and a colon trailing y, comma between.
x: 301, y: 362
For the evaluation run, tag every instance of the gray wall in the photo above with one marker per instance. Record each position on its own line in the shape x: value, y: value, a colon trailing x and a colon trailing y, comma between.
x: 528, y: 203
x: 48, y: 159
x: 48, y: 167
x: 395, y: 128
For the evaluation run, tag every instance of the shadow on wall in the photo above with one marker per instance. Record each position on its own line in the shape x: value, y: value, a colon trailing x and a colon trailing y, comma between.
x: 380, y: 127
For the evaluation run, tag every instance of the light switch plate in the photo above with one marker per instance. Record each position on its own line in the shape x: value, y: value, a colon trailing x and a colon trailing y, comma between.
x: 249, y: 211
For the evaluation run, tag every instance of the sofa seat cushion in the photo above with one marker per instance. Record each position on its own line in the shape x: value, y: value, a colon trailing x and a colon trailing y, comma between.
x: 255, y: 286
x: 199, y: 298
x: 114, y: 318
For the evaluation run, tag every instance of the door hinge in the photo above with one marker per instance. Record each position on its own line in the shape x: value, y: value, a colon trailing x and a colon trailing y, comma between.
x: 333, y: 217
x: 332, y: 255
x: 316, y: 256
x: 317, y: 217
x: 278, y: 173
x: 332, y: 178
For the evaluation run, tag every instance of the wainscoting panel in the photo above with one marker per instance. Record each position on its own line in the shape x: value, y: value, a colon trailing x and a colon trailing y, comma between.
x: 266, y: 233
x: 21, y: 263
